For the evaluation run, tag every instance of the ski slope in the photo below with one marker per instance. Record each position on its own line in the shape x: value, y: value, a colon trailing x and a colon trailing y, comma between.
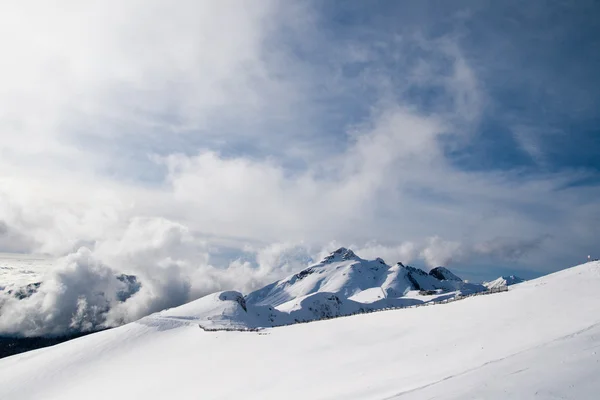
x: 538, y: 340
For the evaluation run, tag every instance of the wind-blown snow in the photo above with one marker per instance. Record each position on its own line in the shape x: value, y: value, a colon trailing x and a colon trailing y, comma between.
x: 538, y: 340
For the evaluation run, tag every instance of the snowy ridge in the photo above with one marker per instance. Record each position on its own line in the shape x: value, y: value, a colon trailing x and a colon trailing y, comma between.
x: 503, y: 281
x: 226, y: 310
x: 347, y: 275
x: 219, y: 316
x: 542, y: 342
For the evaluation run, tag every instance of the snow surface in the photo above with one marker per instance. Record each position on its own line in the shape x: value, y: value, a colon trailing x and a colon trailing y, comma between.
x: 503, y: 281
x: 538, y: 340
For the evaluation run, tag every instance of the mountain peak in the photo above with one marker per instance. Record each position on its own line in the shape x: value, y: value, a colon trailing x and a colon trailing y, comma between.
x: 341, y: 254
x: 444, y: 274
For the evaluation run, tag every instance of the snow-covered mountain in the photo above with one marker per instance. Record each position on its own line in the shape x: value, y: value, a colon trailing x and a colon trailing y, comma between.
x: 503, y: 281
x: 341, y: 284
x: 541, y: 343
x: 346, y: 275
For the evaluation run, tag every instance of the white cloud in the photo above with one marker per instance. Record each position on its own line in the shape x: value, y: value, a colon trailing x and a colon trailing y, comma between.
x: 439, y: 252
x: 74, y: 295
x: 12, y: 241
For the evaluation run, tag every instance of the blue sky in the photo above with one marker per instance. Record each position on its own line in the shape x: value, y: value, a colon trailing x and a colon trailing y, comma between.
x: 537, y: 63
x: 432, y: 132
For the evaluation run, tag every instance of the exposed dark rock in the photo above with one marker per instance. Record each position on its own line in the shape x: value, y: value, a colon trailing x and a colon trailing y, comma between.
x: 444, y: 274
x: 414, y: 283
x: 304, y: 273
x: 341, y: 253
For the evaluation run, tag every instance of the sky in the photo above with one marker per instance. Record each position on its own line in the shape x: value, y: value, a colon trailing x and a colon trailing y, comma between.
x: 225, y: 144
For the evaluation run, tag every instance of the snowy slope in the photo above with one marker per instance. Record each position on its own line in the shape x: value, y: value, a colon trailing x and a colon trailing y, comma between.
x: 229, y: 310
x: 542, y: 342
x: 224, y: 310
x: 503, y: 281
